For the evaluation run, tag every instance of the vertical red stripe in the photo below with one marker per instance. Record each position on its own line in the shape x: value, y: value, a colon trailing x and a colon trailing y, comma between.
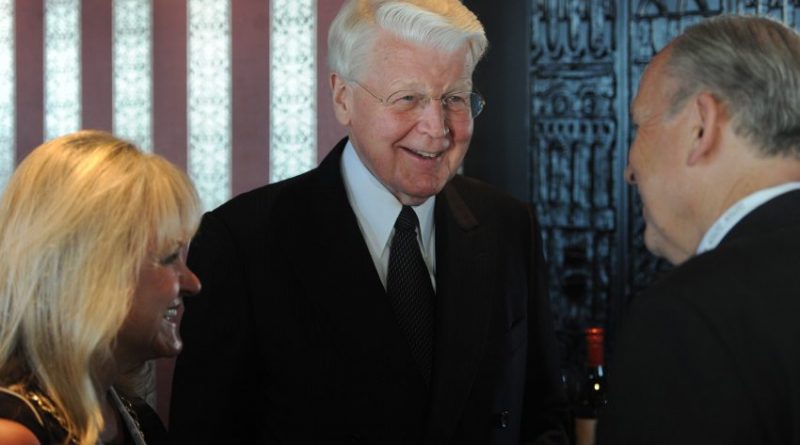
x: 96, y: 64
x: 250, y: 101
x: 329, y: 130
x: 29, y: 71
x: 169, y: 79
x: 170, y: 21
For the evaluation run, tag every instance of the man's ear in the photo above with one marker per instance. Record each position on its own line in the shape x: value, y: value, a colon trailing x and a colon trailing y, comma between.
x: 342, y: 99
x: 707, y: 127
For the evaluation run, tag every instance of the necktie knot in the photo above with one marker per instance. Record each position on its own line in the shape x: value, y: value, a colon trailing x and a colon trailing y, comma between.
x: 407, y: 220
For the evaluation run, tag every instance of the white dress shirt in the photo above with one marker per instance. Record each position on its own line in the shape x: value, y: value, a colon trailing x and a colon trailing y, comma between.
x: 377, y: 209
x: 736, y: 212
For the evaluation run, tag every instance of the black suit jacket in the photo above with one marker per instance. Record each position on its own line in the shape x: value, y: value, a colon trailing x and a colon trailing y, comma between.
x: 293, y: 340
x: 711, y: 353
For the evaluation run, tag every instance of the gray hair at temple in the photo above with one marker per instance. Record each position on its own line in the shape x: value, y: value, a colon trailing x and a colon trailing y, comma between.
x: 445, y: 25
x: 752, y: 64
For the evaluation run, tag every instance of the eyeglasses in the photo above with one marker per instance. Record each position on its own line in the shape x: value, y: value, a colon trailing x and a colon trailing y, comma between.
x: 460, y: 106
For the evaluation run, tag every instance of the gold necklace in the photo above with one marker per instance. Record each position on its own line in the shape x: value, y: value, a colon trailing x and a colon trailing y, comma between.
x: 128, y: 405
x: 46, y: 405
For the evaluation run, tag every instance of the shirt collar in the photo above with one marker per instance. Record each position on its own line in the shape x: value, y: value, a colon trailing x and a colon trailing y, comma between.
x: 739, y: 210
x: 376, y: 204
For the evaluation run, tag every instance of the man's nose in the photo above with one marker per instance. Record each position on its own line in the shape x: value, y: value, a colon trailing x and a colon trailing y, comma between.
x: 433, y: 119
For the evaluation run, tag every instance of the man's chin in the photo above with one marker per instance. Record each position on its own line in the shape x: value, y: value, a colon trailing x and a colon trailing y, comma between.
x: 418, y: 195
x: 654, y: 243
x: 658, y: 246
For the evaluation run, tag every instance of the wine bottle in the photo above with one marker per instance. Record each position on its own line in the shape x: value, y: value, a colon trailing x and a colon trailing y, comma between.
x: 592, y: 396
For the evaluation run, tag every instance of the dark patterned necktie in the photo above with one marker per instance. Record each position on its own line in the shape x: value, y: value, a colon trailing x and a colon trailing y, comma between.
x: 408, y: 285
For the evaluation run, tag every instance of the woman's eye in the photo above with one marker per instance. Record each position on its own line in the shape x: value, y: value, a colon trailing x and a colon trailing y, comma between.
x: 171, y: 258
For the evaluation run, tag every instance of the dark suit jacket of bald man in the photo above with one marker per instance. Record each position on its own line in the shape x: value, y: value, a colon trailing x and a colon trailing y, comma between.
x: 293, y: 340
x: 711, y: 353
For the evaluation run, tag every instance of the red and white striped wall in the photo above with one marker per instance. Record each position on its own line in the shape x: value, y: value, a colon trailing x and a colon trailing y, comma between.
x: 234, y: 91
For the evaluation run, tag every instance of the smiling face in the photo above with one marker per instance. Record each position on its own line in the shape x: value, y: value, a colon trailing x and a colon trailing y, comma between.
x: 657, y: 165
x: 412, y: 157
x: 150, y: 329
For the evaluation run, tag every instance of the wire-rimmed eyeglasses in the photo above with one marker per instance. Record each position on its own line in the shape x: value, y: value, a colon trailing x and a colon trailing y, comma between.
x: 459, y: 106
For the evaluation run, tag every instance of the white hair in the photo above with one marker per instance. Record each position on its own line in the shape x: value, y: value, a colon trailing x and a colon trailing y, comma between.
x: 445, y: 25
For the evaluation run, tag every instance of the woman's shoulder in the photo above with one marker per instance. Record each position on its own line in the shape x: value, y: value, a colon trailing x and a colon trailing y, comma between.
x: 15, y: 433
x: 20, y: 420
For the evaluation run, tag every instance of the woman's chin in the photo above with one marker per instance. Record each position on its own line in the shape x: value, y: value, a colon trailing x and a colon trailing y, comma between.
x: 168, y: 342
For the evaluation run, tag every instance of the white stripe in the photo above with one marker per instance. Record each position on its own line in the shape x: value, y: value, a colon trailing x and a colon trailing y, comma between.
x: 62, y: 67
x: 7, y: 91
x: 133, y: 71
x: 209, y: 99
x: 293, y: 104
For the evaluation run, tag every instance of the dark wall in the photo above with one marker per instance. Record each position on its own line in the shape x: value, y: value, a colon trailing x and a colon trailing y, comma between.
x: 499, y: 152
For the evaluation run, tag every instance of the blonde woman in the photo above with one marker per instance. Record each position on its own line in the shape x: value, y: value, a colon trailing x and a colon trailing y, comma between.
x: 93, y: 240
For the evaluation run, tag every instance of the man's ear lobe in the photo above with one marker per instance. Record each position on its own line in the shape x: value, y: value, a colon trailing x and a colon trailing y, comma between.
x: 705, y: 128
x: 341, y: 99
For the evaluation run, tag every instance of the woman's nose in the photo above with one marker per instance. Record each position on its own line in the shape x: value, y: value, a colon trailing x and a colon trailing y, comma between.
x: 190, y: 284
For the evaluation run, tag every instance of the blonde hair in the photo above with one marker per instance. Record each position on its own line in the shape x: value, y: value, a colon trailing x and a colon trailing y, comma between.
x: 445, y: 25
x: 77, y: 220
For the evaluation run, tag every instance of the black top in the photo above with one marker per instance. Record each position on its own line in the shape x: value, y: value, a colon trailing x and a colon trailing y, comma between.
x: 48, y: 430
x: 42, y: 424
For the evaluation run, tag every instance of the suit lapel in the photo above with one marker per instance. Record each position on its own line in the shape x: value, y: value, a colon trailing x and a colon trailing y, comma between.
x: 343, y: 283
x: 464, y: 285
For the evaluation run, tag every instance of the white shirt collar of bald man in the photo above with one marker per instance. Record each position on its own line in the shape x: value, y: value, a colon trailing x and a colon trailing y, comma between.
x: 739, y: 210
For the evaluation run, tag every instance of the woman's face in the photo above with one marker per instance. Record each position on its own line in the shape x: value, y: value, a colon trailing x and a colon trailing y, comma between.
x: 151, y: 327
